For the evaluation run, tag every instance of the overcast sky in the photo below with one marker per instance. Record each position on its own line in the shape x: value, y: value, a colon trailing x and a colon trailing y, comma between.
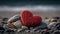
x: 33, y: 5
x: 29, y: 2
x: 31, y: 8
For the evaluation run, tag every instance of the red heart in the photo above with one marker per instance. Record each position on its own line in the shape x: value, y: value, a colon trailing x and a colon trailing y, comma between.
x: 29, y: 20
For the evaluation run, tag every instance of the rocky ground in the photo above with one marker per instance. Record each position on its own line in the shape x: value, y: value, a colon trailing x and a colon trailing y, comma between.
x: 38, y: 32
x: 49, y: 14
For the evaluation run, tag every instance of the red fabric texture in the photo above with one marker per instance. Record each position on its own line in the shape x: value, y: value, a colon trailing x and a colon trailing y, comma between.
x: 28, y: 19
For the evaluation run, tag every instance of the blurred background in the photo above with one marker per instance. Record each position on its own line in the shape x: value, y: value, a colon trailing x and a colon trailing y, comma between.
x: 45, y: 8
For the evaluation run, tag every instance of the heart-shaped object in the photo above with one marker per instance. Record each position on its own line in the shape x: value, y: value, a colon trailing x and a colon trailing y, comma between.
x: 29, y: 20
